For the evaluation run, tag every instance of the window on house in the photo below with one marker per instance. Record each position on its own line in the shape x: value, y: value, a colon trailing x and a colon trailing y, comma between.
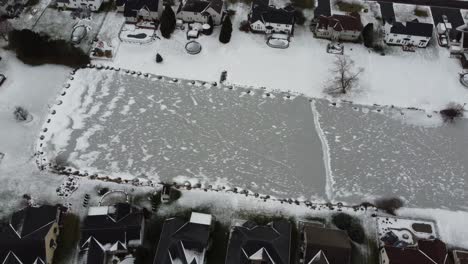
x: 398, y: 41
x: 390, y: 40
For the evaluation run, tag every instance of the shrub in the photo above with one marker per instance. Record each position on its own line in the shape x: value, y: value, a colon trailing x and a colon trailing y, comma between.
x: 35, y: 49
x: 306, y: 4
x: 351, y: 225
x: 67, y: 239
x: 219, y: 237
x: 368, y: 35
x: 420, y: 12
x: 349, y: 7
x: 141, y: 255
x: 107, y: 6
x: 32, y: 2
x: 244, y: 26
x: 159, y: 59
x: 452, y: 112
x: 226, y: 31
x: 175, y: 195
x: 21, y: 114
x: 103, y: 191
x: 389, y: 205
x: 299, y: 16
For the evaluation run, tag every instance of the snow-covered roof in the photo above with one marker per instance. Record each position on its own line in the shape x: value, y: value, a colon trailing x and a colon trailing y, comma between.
x: 98, y: 210
x: 199, y: 218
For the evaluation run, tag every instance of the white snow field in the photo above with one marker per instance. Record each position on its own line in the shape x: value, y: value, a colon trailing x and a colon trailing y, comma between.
x: 427, y: 78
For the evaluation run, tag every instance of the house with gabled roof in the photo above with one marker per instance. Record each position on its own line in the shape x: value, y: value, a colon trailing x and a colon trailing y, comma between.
x: 183, y: 242
x: 30, y: 236
x: 266, y: 18
x: 109, y: 231
x: 137, y: 10
x: 200, y: 10
x: 339, y: 27
x: 425, y: 252
x: 412, y: 33
x: 322, y: 245
x: 252, y: 243
x: 460, y: 256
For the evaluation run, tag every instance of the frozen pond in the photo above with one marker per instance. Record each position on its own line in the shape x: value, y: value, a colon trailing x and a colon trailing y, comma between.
x: 122, y: 125
x: 389, y: 154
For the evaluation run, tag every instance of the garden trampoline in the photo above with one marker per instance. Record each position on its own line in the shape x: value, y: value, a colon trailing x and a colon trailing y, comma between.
x: 193, y: 47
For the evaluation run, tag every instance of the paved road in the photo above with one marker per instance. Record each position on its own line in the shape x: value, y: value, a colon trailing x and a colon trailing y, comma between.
x: 386, y: 8
x: 453, y: 16
x: 436, y: 3
x: 323, y: 8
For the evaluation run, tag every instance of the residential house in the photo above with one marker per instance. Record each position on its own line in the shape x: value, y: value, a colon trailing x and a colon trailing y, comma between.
x: 252, y: 243
x: 184, y: 242
x: 324, y: 245
x: 136, y: 10
x: 460, y: 257
x: 110, y: 231
x: 425, y: 252
x: 200, y: 11
x: 411, y: 33
x: 30, y: 236
x: 339, y: 27
x: 92, y: 5
x: 266, y: 18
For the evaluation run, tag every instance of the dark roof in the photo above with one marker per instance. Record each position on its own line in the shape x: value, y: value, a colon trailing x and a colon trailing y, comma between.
x: 435, y: 249
x: 96, y: 254
x: 33, y: 219
x: 427, y: 252
x: 124, y: 224
x: 332, y: 243
x: 217, y: 5
x: 133, y: 6
x: 340, y: 22
x: 24, y: 236
x: 246, y: 241
x: 265, y: 13
x: 461, y: 256
x: 196, y: 6
x: 412, y: 28
x: 177, y: 235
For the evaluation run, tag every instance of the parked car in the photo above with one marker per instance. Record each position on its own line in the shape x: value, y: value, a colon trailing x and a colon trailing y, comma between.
x: 166, y: 194
x: 2, y: 79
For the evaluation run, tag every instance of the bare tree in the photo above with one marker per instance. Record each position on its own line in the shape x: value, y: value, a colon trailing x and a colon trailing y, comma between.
x: 452, y: 112
x: 345, y: 76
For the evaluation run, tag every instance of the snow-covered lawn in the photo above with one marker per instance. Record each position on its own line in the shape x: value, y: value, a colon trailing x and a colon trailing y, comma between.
x: 427, y: 78
x: 406, y: 13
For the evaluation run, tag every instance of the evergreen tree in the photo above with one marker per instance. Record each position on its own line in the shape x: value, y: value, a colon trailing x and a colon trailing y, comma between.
x: 226, y: 30
x: 368, y: 35
x: 168, y: 22
x: 159, y: 59
x: 210, y: 22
